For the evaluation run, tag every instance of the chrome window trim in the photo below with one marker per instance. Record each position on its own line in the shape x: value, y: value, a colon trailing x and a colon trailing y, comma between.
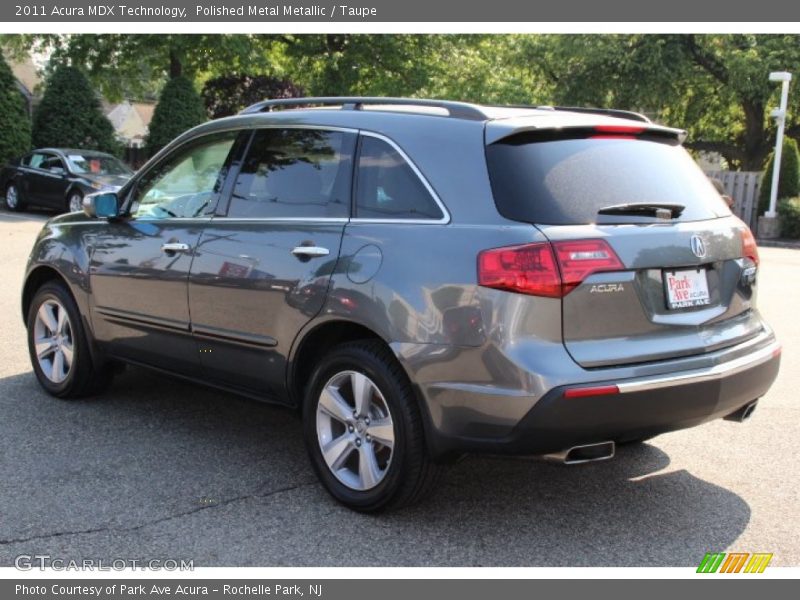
x: 282, y: 219
x: 170, y: 219
x: 445, y: 213
x: 445, y: 219
x: 301, y: 126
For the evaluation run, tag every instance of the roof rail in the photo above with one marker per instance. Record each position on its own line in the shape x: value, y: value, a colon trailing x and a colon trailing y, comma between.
x: 611, y: 112
x: 457, y: 110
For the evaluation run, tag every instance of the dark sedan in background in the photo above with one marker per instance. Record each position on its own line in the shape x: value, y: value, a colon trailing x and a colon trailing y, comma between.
x: 59, y: 178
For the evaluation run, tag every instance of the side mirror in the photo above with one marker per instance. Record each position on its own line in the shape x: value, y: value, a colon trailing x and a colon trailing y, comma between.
x: 102, y: 205
x: 57, y: 170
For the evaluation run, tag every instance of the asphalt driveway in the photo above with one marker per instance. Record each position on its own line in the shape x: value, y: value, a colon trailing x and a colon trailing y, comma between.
x: 157, y: 468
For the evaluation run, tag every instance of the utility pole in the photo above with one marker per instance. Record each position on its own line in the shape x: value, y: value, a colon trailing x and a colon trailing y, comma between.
x: 780, y: 117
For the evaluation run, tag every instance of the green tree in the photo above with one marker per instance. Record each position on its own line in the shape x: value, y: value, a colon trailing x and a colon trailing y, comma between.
x: 70, y: 115
x: 358, y: 64
x: 226, y: 95
x: 15, y: 125
x: 789, y: 178
x: 715, y: 86
x: 179, y: 108
x: 138, y: 65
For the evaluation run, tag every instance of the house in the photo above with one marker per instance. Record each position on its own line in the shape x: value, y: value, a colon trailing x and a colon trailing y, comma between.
x: 28, y: 80
x: 131, y: 121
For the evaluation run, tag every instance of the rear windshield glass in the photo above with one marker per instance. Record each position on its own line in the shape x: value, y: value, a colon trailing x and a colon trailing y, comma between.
x: 561, y: 181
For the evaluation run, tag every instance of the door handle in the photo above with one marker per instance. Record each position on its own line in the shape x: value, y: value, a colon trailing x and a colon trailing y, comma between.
x: 173, y: 247
x: 309, y: 251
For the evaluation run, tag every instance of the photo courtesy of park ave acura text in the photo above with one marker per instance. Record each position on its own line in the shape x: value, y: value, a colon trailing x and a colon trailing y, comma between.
x: 373, y: 299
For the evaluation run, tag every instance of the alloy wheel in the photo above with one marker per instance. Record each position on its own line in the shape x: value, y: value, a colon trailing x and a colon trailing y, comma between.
x: 53, y: 340
x: 75, y: 203
x: 12, y: 198
x: 355, y: 430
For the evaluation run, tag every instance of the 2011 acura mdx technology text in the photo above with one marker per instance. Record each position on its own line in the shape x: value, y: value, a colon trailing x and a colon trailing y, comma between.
x: 420, y: 279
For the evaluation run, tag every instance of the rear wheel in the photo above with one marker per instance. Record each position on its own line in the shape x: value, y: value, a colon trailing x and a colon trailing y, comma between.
x: 363, y: 429
x: 75, y: 201
x: 59, y: 347
x: 13, y: 201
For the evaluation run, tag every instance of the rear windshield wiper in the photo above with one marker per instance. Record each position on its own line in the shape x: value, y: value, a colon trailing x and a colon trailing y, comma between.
x: 644, y: 209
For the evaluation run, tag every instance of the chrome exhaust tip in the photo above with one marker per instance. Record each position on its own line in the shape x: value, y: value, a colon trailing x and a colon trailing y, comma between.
x: 583, y: 454
x: 744, y: 413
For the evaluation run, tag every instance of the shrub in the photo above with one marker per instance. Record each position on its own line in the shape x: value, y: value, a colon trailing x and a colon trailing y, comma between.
x: 15, y: 125
x: 789, y: 212
x: 179, y: 108
x: 789, y: 184
x: 227, y: 95
x: 70, y: 116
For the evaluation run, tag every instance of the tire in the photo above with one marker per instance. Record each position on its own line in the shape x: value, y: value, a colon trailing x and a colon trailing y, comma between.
x: 402, y: 473
x: 56, y: 330
x: 14, y: 202
x: 74, y: 201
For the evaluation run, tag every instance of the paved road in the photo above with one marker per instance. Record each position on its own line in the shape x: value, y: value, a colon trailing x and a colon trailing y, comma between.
x: 163, y: 469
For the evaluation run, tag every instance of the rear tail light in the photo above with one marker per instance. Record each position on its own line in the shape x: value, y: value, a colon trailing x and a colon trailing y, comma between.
x: 749, y: 247
x: 529, y: 269
x: 579, y: 259
x: 545, y: 269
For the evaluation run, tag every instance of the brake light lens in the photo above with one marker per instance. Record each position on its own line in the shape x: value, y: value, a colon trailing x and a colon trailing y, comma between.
x: 528, y: 269
x: 545, y: 269
x: 579, y: 259
x: 620, y: 129
x: 749, y: 247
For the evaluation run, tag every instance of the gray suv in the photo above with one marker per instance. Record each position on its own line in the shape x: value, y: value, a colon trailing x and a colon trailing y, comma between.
x: 419, y: 279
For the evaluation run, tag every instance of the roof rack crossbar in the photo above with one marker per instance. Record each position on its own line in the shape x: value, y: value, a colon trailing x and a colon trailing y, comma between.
x: 457, y: 110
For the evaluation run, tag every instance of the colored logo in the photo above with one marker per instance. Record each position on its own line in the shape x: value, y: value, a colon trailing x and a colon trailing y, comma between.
x: 734, y: 562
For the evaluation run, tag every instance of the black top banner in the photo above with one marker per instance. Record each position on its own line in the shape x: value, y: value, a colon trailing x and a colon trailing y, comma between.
x: 377, y: 11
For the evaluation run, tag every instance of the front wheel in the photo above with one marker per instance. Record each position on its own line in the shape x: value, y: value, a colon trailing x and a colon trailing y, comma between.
x: 75, y: 202
x: 59, y: 347
x: 363, y: 429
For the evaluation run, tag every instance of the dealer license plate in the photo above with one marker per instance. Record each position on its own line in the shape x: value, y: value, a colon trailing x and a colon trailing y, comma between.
x: 686, y: 288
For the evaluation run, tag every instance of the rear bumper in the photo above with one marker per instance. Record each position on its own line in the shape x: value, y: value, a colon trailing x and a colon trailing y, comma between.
x: 644, y: 406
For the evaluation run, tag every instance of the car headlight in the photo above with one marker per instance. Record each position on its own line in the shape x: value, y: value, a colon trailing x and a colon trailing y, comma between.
x: 96, y: 185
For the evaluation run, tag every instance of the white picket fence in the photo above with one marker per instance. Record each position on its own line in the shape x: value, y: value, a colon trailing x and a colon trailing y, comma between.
x: 743, y: 187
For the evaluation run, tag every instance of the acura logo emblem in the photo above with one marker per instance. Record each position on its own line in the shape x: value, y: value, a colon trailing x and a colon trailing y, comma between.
x: 698, y: 246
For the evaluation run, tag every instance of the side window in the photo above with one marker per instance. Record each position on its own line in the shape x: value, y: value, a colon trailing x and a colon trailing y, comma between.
x: 188, y: 182
x: 298, y: 173
x: 53, y: 164
x: 387, y: 186
x: 35, y: 160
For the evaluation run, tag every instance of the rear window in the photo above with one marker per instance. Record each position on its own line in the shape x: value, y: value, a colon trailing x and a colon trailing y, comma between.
x: 540, y: 178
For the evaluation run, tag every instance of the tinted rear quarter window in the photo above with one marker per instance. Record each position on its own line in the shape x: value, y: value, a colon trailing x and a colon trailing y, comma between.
x: 559, y: 181
x: 388, y: 187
